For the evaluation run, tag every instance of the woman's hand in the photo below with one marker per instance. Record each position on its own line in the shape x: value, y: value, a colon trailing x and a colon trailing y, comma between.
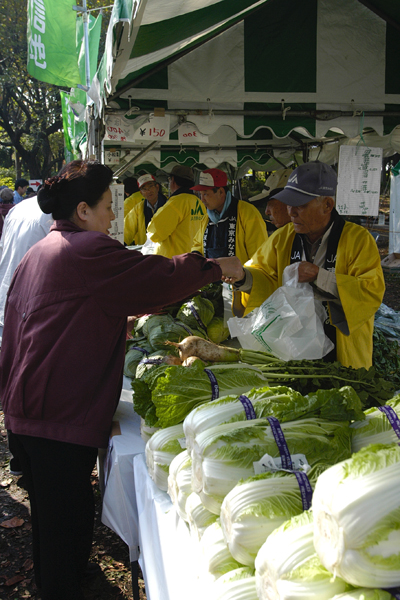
x: 232, y: 269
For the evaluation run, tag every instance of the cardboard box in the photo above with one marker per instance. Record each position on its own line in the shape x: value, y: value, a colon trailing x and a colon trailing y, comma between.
x: 391, y: 264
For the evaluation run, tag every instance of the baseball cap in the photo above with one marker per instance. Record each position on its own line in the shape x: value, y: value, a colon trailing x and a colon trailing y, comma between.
x: 183, y: 171
x: 308, y: 181
x: 278, y: 179
x: 145, y: 179
x: 211, y: 178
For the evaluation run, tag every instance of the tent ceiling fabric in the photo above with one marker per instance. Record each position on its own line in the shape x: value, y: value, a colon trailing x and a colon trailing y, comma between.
x: 264, y: 71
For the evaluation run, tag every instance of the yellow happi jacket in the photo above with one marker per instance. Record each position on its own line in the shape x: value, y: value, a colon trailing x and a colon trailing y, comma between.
x: 359, y: 279
x: 174, y: 226
x: 251, y: 232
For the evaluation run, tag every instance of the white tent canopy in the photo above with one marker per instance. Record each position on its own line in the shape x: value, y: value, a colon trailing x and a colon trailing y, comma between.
x: 265, y: 82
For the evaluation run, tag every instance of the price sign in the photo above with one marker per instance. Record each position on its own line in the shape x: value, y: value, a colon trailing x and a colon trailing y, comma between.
x: 111, y: 157
x: 188, y: 134
x: 118, y: 130
x: 117, y: 226
x: 359, y: 180
x: 157, y: 128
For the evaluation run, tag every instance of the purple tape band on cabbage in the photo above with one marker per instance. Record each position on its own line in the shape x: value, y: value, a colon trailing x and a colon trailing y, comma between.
x: 305, y: 489
x: 248, y: 407
x: 214, y: 384
x: 392, y: 417
x: 280, y: 442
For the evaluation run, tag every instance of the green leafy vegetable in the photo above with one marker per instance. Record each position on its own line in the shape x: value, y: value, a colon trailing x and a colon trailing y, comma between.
x: 181, y: 389
x: 195, y: 309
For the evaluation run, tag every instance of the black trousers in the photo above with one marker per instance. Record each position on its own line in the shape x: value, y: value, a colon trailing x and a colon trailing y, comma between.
x: 62, y: 510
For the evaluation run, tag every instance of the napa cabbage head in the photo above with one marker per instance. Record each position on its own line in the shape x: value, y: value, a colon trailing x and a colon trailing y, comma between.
x: 356, y: 505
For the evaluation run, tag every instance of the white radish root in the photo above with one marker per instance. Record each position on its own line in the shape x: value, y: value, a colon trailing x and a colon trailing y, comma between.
x: 208, y: 351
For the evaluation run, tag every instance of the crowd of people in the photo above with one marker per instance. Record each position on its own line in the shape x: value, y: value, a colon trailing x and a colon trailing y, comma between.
x: 67, y: 289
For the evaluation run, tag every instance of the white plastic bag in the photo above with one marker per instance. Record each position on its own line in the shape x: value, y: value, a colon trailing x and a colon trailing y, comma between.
x: 148, y: 247
x: 289, y: 323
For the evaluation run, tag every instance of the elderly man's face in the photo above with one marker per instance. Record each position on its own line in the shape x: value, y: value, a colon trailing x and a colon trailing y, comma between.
x: 277, y: 212
x: 312, y: 218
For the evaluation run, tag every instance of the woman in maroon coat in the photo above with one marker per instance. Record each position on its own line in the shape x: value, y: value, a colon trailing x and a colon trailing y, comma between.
x: 63, y: 354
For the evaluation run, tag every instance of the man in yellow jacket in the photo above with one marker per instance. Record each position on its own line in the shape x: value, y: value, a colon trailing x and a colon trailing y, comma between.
x: 233, y: 227
x: 338, y: 258
x: 132, y: 194
x: 174, y: 226
x: 138, y: 219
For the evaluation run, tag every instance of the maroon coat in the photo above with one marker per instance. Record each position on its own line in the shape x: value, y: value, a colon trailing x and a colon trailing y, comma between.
x: 65, y: 329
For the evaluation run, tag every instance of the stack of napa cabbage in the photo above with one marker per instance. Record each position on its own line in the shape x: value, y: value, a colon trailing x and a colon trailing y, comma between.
x: 223, y: 455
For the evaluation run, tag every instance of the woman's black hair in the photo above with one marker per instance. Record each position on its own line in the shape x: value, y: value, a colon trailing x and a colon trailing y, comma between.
x: 79, y: 181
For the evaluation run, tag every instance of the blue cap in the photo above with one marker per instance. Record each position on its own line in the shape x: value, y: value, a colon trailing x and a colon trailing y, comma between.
x: 308, y: 181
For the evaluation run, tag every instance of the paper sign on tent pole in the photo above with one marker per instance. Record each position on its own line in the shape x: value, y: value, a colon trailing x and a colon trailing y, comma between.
x: 359, y: 180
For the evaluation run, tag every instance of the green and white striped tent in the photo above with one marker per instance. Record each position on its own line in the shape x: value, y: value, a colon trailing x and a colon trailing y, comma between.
x: 261, y: 83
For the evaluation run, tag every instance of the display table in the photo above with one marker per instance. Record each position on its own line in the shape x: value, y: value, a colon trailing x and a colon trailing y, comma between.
x: 167, y: 551
x: 116, y: 473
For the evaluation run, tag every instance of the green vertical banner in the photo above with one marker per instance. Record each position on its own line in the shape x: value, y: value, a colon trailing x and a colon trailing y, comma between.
x: 74, y: 130
x: 52, y: 54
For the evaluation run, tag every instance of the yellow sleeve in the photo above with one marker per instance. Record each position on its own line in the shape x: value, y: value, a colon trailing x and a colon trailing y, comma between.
x: 267, y: 266
x: 359, y: 275
x: 198, y: 245
x: 131, y: 201
x: 134, y: 226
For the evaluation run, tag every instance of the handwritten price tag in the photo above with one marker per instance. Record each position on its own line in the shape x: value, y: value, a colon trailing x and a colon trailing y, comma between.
x: 156, y: 129
x: 188, y: 134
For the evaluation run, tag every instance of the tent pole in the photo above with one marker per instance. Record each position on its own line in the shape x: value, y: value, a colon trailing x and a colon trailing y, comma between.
x: 134, y: 160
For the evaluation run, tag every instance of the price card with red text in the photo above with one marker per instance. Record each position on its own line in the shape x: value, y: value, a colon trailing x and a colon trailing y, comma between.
x: 117, y: 129
x: 189, y: 134
x: 155, y: 129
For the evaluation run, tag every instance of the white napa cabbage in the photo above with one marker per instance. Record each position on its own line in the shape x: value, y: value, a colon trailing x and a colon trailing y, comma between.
x: 356, y: 507
x: 376, y: 428
x: 198, y: 516
x: 288, y: 568
x: 254, y: 508
x: 239, y: 584
x: 160, y: 450
x: 180, y: 482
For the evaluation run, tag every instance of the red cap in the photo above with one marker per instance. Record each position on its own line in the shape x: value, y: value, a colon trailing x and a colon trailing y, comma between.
x: 211, y: 178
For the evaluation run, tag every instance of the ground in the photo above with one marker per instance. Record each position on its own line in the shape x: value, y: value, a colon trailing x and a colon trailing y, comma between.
x: 109, y: 551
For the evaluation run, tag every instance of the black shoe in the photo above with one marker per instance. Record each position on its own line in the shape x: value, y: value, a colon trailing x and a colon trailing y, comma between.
x: 15, y: 467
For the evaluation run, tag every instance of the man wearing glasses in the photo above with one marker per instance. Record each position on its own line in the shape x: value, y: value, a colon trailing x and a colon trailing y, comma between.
x: 137, y: 220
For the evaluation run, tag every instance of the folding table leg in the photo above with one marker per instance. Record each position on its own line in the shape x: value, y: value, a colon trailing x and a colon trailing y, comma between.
x: 135, y: 582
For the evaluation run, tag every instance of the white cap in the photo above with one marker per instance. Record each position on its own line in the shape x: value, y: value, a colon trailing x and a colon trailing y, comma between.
x: 145, y: 179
